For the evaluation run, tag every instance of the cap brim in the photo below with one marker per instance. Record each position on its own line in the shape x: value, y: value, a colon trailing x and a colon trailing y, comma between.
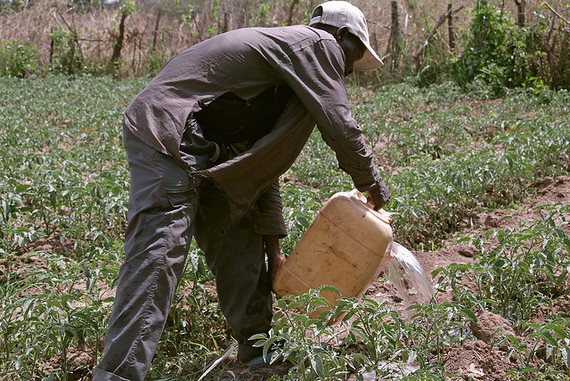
x: 369, y: 60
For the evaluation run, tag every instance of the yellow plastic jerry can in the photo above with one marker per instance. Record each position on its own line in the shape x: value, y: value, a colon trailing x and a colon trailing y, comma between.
x: 346, y: 246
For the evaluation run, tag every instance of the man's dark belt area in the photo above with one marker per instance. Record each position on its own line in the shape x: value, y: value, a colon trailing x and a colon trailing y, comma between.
x: 231, y: 119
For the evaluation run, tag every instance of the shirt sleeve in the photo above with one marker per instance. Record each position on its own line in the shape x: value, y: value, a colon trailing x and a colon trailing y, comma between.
x: 316, y: 73
x: 268, y: 213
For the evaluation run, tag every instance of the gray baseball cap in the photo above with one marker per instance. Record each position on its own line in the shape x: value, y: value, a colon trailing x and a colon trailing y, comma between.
x: 343, y: 14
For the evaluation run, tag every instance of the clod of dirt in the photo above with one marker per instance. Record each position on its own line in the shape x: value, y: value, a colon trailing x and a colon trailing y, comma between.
x: 543, y: 183
x: 491, y: 221
x: 477, y: 361
x: 467, y: 250
x: 491, y: 327
x: 78, y: 359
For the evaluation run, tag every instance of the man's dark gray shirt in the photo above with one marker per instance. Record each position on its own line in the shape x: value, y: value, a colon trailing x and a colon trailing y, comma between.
x: 246, y: 62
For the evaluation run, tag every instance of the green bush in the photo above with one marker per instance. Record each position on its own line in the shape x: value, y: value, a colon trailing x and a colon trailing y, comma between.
x: 17, y: 59
x: 496, y: 52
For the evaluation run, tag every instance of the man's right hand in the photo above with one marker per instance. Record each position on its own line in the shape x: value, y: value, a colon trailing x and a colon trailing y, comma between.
x: 379, y: 195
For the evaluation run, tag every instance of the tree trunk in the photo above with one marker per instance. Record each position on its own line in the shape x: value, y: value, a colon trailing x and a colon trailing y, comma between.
x: 119, y: 43
x: 155, y: 33
x: 521, y: 17
x: 450, y: 30
x: 394, y: 42
x: 291, y: 10
x: 440, y: 21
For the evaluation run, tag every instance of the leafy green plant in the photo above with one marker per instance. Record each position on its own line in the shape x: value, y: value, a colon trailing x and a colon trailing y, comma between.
x: 18, y: 59
x: 303, y: 339
x: 63, y: 193
x: 436, y: 326
x: 439, y: 181
x: 527, y: 269
x: 318, y: 168
x: 300, y: 209
x: 547, y: 350
x: 385, y: 336
x: 552, y: 342
x: 379, y: 329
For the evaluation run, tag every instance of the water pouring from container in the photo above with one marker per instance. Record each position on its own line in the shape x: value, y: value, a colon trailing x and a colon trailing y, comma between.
x: 407, y: 275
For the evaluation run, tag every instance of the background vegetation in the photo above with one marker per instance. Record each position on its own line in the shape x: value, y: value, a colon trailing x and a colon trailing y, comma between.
x: 498, y: 42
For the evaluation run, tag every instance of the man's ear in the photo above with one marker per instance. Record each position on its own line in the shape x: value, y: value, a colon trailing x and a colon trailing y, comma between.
x: 341, y: 33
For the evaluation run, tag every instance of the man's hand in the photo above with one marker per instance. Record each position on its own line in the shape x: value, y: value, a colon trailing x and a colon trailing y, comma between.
x: 379, y: 195
x: 274, y: 257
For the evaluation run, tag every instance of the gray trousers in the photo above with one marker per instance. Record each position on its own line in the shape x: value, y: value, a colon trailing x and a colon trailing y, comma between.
x: 165, y: 209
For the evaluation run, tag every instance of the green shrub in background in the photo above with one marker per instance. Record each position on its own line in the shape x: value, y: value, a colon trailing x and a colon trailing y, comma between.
x: 549, y: 48
x: 17, y: 59
x: 496, y: 52
x: 65, y: 54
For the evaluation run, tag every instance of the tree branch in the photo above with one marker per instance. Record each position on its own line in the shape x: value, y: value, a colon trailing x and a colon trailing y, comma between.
x: 439, y: 22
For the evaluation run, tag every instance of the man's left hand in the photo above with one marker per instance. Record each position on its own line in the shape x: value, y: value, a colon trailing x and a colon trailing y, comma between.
x: 274, y: 257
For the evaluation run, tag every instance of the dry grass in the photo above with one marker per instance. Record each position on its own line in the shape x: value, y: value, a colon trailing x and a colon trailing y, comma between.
x: 153, y: 35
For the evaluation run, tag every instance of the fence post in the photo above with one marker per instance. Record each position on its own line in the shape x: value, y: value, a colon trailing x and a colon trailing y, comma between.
x: 226, y: 26
x: 118, y: 46
x: 156, y: 26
